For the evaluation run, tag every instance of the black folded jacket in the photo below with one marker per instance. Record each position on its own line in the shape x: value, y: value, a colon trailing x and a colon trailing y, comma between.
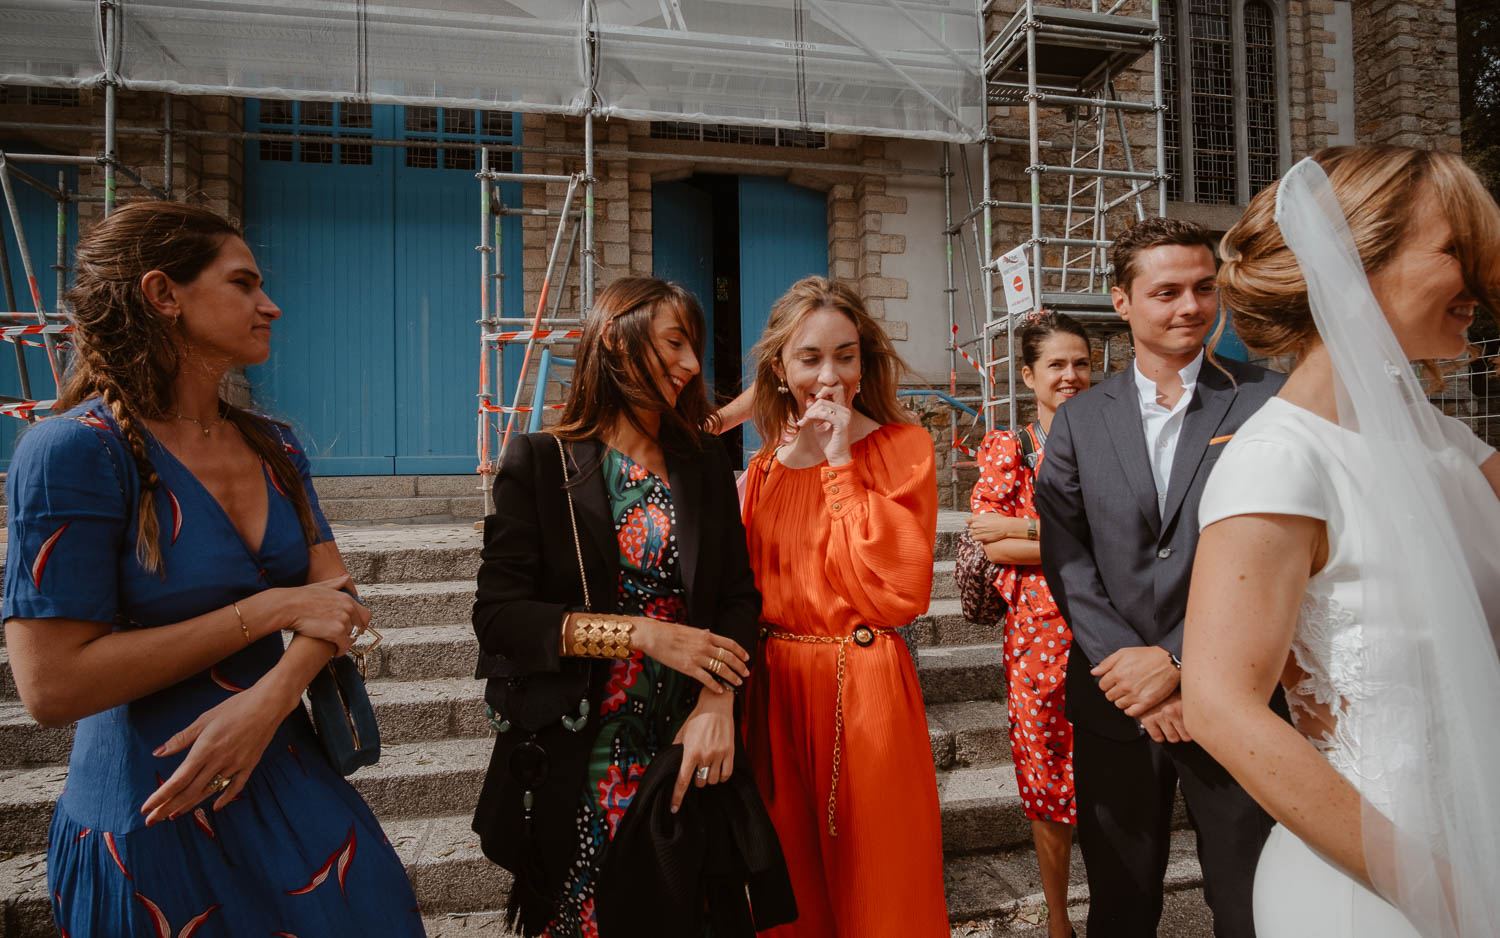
x: 677, y: 874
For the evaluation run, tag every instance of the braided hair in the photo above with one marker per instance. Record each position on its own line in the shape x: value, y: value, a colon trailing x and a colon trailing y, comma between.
x: 129, y: 355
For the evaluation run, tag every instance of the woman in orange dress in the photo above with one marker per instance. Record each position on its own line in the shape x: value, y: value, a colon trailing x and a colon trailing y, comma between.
x: 841, y: 519
x: 1056, y: 366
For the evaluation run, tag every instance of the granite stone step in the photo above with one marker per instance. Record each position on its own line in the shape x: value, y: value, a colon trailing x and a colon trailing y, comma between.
x: 426, y: 652
x: 412, y: 509
x: 989, y: 895
x: 410, y: 553
x: 944, y: 586
x: 389, y: 486
x: 24, y: 742
x: 401, y: 605
x: 421, y: 773
x: 953, y: 673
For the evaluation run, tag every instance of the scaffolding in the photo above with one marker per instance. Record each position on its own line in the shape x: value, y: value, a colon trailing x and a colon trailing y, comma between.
x: 1083, y: 170
x: 888, y: 68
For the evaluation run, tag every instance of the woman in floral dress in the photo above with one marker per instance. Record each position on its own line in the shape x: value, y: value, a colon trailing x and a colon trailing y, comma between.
x: 615, y: 604
x: 1055, y: 353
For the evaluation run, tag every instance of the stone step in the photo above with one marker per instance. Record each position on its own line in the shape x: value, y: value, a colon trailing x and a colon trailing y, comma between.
x: 995, y: 895
x: 436, y: 747
x: 23, y: 742
x: 944, y: 586
x: 989, y: 895
x: 405, y: 486
x: 410, y: 553
x: 426, y: 652
x: 944, y: 624
x: 407, y: 711
x: 953, y: 673
x: 414, y: 509
x: 401, y: 605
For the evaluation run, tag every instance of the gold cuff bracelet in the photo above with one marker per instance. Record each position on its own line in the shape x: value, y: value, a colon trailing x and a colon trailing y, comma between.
x: 601, y: 636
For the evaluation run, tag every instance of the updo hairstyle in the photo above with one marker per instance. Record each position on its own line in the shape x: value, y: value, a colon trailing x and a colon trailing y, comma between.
x: 1376, y: 186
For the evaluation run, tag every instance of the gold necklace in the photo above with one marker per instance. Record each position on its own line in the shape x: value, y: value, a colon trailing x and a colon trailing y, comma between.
x: 201, y: 425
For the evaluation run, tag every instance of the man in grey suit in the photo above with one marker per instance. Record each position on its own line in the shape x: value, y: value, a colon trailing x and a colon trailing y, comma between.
x: 1118, y: 493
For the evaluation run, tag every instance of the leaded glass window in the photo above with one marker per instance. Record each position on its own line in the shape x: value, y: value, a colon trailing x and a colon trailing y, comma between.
x: 1262, y: 134
x: 1222, y: 126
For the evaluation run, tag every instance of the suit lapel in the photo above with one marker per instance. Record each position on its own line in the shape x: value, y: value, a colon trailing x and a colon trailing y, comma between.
x: 685, y: 476
x: 596, y: 529
x: 1123, y: 419
x: 1211, y: 401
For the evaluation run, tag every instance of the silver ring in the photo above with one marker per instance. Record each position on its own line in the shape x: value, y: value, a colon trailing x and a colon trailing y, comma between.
x: 702, y: 773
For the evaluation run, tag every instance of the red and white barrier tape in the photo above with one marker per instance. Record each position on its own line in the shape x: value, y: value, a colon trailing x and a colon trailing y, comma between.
x: 25, y: 409
x: 553, y: 335
x: 502, y: 409
x: 52, y: 328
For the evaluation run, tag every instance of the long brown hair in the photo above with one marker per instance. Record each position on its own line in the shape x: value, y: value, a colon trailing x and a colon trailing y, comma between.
x: 129, y: 355
x: 1376, y: 187
x: 615, y: 378
x: 879, y: 366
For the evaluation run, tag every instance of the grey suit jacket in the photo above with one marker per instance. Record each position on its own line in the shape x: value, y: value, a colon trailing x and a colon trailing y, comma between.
x: 1118, y: 568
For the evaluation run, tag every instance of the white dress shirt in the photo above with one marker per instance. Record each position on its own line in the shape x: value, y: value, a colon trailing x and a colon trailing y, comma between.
x: 1163, y: 426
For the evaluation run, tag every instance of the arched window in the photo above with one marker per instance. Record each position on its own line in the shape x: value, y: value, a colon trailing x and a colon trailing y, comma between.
x: 1220, y: 81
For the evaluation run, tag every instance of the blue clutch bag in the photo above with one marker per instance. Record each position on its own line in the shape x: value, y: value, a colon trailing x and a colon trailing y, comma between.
x: 342, y: 714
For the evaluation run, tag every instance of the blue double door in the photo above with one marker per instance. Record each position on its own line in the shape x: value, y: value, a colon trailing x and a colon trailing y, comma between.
x: 737, y: 242
x: 40, y: 224
x: 370, y: 253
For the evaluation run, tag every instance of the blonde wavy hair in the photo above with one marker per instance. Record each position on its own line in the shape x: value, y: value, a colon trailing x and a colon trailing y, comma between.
x: 880, y: 367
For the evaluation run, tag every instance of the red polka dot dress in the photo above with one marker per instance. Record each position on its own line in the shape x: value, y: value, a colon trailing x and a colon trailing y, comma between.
x: 1036, y: 644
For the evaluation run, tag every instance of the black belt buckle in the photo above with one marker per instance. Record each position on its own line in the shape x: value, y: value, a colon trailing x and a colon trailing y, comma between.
x: 864, y: 636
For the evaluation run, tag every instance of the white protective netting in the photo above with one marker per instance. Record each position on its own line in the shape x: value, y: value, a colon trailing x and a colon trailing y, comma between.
x: 887, y: 67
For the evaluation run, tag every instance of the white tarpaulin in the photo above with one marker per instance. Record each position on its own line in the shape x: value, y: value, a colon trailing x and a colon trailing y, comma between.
x: 887, y: 67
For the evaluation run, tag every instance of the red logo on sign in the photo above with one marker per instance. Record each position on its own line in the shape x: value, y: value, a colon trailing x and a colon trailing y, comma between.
x: 1019, y: 284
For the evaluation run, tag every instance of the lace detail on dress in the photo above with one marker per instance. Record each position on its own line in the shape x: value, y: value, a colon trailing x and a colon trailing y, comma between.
x: 1329, y: 686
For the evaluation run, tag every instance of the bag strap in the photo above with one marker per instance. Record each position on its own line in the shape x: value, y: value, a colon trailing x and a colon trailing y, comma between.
x: 1032, y: 439
x: 588, y: 604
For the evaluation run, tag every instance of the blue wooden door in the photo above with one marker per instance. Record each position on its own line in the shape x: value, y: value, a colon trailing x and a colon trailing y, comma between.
x: 783, y: 238
x: 682, y: 249
x: 39, y: 223
x: 369, y: 250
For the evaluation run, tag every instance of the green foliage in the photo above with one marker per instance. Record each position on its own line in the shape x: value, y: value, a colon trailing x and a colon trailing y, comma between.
x: 1479, y: 86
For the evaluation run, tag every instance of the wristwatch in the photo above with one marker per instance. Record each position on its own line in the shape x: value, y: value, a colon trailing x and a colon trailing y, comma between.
x: 1031, y: 529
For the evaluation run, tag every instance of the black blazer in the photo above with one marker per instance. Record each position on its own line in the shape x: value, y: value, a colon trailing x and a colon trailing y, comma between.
x: 528, y: 578
x: 1119, y: 568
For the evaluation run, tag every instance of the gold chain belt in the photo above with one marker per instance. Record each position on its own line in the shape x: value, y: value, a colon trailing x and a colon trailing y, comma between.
x: 863, y: 636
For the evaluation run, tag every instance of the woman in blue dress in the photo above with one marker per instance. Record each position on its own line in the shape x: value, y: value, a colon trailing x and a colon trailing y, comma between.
x: 160, y: 542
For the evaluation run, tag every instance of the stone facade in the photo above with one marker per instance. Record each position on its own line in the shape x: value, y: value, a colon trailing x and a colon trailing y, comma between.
x: 1378, y: 72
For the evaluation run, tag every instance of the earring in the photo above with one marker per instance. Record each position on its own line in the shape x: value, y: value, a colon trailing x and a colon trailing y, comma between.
x: 857, y: 386
x: 782, y: 389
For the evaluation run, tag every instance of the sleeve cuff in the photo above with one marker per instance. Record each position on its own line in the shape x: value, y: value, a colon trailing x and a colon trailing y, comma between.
x: 843, y: 490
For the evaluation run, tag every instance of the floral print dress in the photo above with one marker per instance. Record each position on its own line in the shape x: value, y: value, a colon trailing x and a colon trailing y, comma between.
x: 1036, y: 644
x: 645, y: 702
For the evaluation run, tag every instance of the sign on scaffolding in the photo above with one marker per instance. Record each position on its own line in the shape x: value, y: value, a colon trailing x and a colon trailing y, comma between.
x: 1015, y: 277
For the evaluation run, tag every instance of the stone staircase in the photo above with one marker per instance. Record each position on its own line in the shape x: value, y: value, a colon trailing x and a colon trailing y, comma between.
x: 418, y: 581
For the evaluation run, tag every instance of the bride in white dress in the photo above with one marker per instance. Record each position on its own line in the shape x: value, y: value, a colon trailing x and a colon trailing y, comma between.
x: 1351, y: 553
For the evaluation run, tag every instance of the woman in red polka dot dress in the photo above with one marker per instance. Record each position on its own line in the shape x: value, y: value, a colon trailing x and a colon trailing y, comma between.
x: 1055, y: 354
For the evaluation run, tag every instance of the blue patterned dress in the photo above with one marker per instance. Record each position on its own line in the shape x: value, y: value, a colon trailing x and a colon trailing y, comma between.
x: 645, y: 702
x: 298, y: 852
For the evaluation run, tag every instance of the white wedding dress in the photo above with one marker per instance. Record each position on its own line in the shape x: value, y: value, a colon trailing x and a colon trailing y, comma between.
x: 1286, y: 460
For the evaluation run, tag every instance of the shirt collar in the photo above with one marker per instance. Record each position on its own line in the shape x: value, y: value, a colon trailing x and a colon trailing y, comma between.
x: 1146, y: 388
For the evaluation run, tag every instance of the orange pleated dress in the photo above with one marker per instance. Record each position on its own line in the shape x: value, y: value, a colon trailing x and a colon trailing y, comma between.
x: 842, y: 557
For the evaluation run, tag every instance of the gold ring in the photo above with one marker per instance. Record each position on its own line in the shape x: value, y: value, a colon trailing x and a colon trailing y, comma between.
x: 714, y: 665
x: 219, y: 783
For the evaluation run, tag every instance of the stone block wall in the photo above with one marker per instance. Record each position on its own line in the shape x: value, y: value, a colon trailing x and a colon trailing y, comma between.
x: 1406, y: 70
